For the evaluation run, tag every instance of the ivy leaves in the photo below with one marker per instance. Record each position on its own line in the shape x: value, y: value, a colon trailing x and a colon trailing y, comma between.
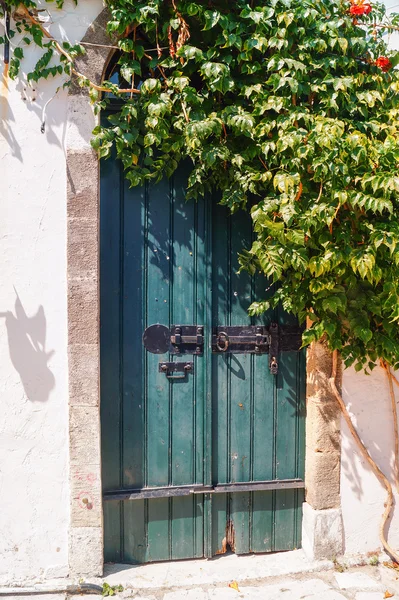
x: 283, y: 104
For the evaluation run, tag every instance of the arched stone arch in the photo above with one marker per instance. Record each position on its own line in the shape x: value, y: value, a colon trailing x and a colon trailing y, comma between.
x: 322, y: 525
x: 86, y: 531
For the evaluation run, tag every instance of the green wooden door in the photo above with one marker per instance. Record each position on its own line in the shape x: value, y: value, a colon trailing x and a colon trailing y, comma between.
x: 181, y: 457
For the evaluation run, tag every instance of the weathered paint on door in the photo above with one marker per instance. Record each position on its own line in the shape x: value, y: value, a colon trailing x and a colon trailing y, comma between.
x: 165, y: 260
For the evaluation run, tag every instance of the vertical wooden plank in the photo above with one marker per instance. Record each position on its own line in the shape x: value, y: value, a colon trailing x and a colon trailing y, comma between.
x: 262, y: 461
x: 158, y: 393
x: 220, y: 315
x: 241, y: 387
x: 134, y: 523
x: 158, y: 529
x: 183, y: 301
x: 158, y: 311
x: 110, y: 282
x: 288, y: 407
x: 132, y: 373
x: 285, y: 520
x: 186, y: 527
x: 206, y: 250
x: 220, y: 511
x: 262, y: 522
x: 187, y: 406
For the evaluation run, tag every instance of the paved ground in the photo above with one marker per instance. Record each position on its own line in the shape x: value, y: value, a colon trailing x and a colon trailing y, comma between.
x: 287, y: 576
x: 357, y: 583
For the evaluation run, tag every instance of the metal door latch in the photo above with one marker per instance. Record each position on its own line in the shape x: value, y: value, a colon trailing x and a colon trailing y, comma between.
x: 257, y: 339
x: 273, y: 348
x: 182, y: 368
x: 179, y: 339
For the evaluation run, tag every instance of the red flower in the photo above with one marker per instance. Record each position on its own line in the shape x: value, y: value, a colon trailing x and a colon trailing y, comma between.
x: 383, y: 63
x: 360, y: 8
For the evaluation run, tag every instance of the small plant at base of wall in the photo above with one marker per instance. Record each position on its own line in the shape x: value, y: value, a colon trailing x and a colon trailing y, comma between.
x: 111, y: 590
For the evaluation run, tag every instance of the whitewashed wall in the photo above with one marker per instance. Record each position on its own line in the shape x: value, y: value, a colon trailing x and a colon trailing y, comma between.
x: 34, y: 492
x: 369, y: 403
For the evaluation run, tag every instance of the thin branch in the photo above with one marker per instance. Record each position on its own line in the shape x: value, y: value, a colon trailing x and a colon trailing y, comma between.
x: 375, y: 25
x: 22, y: 10
x: 183, y: 105
x: 377, y: 471
x: 387, y: 370
x: 320, y: 192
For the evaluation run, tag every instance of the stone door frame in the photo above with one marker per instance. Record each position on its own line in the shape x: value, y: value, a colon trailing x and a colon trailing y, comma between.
x: 322, y: 522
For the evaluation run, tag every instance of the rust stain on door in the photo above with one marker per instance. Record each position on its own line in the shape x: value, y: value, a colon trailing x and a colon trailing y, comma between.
x: 228, y: 542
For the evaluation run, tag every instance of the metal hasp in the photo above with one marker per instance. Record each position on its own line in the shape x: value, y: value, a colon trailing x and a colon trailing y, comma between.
x: 182, y: 368
x: 257, y: 339
x: 273, y: 348
x: 187, y: 339
x: 187, y: 490
x: 179, y: 339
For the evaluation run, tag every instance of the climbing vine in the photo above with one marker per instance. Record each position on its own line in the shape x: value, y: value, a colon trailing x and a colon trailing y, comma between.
x: 287, y: 108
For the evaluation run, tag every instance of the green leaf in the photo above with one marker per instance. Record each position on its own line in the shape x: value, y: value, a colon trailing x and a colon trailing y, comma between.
x: 211, y: 19
x: 18, y: 53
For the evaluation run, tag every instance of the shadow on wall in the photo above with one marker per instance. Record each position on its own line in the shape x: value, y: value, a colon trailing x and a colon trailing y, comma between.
x: 27, y: 346
x: 7, y: 117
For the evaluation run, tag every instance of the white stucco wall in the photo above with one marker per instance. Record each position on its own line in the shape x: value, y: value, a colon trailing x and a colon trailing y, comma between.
x: 369, y: 403
x: 34, y: 492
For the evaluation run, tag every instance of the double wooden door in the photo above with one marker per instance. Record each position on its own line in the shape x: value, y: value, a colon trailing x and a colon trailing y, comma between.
x: 202, y: 442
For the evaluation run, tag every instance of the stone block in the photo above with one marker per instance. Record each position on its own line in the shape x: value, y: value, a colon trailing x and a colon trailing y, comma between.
x: 82, y: 247
x: 86, y: 552
x: 82, y: 183
x: 83, y: 311
x: 357, y: 581
x: 80, y: 124
x: 323, y: 436
x: 323, y: 479
x: 86, y: 497
x: 84, y: 436
x: 84, y: 373
x: 322, y: 533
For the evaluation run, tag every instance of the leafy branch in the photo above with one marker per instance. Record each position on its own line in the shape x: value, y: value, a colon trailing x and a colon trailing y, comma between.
x: 288, y: 109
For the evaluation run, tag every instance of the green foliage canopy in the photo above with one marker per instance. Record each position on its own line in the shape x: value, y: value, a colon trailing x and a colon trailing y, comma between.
x: 285, y: 106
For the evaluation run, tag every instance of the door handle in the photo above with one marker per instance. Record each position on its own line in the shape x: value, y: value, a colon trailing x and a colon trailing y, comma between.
x: 181, y: 368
